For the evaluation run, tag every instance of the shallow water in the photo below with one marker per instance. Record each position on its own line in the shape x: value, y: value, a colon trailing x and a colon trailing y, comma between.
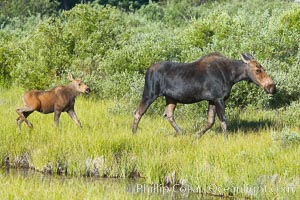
x: 20, y: 182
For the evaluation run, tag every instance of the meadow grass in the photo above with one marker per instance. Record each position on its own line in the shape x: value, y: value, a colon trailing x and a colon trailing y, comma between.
x: 260, y: 159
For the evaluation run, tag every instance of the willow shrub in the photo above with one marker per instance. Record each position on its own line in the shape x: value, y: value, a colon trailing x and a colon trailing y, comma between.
x: 114, y: 48
x: 72, y: 42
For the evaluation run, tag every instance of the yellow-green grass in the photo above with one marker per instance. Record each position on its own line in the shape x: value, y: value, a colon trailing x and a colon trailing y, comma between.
x: 260, y: 159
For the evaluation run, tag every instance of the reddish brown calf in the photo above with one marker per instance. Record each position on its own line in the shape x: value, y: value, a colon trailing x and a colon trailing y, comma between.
x: 59, y: 99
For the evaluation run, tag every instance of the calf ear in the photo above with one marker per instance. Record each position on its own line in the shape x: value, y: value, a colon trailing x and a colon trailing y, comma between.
x: 70, y: 76
x: 246, y: 57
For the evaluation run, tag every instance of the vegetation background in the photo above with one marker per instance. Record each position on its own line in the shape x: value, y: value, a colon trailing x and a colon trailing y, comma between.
x: 113, y: 43
x: 40, y: 43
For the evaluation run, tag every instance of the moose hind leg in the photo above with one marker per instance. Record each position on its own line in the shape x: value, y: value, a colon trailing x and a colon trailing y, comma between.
x: 210, y: 119
x: 19, y: 122
x: 23, y: 114
x: 169, y: 115
x: 139, y: 112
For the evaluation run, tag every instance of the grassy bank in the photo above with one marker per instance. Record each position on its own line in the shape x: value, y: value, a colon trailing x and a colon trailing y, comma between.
x: 260, y: 159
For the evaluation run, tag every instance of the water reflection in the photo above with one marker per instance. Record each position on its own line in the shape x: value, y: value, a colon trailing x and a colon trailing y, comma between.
x: 132, y: 188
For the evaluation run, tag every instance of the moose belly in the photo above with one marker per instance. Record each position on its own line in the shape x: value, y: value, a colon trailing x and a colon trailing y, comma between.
x: 188, y: 95
x: 46, y: 109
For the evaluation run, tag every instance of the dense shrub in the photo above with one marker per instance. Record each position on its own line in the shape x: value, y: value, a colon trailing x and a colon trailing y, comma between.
x: 141, y: 51
x: 11, y: 9
x: 72, y: 42
x: 5, y: 56
x: 114, y: 48
x: 287, y: 138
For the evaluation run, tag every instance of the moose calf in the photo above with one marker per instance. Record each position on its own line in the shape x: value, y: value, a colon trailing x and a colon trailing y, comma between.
x: 59, y: 99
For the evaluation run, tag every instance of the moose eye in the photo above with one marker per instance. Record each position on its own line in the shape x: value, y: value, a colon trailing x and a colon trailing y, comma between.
x: 258, y: 71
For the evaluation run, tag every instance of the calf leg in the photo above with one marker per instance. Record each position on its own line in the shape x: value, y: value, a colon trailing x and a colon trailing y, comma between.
x: 211, y: 118
x: 56, y: 117
x: 169, y: 115
x: 139, y: 112
x: 23, y: 114
x: 73, y: 115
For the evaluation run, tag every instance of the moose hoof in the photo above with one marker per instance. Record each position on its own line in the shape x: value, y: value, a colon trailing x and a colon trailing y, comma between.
x: 179, y: 133
x: 198, y: 136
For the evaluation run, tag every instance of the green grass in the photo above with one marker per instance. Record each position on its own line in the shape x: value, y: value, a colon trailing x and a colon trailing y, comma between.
x: 260, y: 159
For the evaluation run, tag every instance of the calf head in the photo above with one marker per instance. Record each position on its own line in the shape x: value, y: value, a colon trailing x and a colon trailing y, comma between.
x: 257, y: 74
x: 78, y: 84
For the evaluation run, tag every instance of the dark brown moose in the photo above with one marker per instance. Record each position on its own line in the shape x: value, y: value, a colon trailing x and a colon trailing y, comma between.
x: 210, y: 78
x: 59, y: 99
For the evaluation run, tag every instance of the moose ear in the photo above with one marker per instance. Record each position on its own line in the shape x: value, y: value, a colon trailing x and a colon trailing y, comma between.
x: 70, y: 76
x: 246, y: 57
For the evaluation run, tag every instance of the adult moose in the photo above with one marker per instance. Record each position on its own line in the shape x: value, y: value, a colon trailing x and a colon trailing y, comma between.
x: 210, y: 78
x: 59, y: 99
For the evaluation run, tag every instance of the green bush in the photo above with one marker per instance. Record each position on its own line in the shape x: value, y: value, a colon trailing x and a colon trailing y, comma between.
x: 114, y: 48
x: 287, y: 138
x: 22, y: 9
x: 42, y: 56
x: 73, y: 42
x: 5, y: 58
x: 142, y: 50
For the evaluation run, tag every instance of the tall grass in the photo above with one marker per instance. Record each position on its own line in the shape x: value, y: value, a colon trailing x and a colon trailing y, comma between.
x: 260, y: 159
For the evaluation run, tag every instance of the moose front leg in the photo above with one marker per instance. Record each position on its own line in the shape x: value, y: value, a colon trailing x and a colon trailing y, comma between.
x: 220, y: 108
x: 73, y: 115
